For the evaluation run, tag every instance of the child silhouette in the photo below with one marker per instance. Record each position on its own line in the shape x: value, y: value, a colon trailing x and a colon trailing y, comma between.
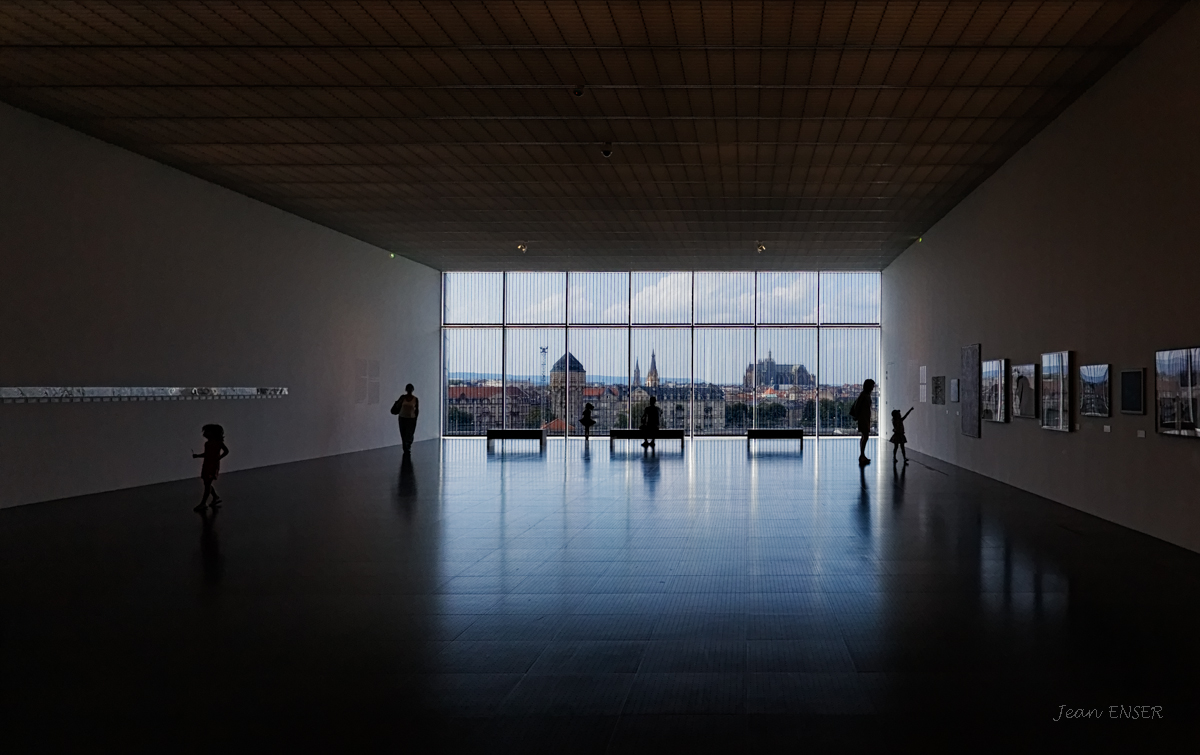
x: 586, y: 420
x: 214, y: 451
x: 898, y: 440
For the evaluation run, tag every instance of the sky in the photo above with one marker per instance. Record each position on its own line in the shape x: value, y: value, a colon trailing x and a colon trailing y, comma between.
x: 847, y: 355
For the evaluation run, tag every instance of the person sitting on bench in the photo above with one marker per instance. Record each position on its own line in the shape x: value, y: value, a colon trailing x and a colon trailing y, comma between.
x: 650, y: 420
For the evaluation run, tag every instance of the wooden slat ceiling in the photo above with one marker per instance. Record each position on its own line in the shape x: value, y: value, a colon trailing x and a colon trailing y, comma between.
x: 832, y: 133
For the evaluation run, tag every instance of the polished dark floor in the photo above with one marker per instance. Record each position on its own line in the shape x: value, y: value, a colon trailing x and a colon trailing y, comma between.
x: 578, y: 600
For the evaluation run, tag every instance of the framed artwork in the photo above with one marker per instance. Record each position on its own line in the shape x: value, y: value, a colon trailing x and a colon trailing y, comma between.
x: 1024, y: 383
x: 939, y: 389
x: 1056, y: 391
x: 954, y: 390
x: 1095, y: 390
x: 993, y: 390
x: 1133, y: 391
x: 1175, y: 391
x: 968, y: 391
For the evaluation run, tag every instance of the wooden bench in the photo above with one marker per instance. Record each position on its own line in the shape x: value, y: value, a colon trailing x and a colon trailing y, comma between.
x: 644, y: 434
x: 538, y: 435
x: 764, y: 433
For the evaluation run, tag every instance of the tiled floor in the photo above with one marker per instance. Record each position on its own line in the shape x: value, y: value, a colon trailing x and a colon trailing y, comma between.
x: 579, y: 600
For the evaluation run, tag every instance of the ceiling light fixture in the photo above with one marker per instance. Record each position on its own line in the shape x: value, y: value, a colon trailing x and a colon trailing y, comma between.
x: 521, y: 248
x: 577, y: 91
x: 607, y: 151
x: 762, y: 248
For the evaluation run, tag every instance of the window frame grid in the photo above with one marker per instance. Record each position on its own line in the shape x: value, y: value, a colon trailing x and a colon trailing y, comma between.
x: 692, y: 326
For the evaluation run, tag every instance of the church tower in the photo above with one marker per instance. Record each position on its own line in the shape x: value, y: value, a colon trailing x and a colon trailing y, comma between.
x: 637, y: 374
x: 652, y: 375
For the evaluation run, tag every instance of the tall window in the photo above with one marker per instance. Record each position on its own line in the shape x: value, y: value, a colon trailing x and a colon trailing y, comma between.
x: 720, y: 352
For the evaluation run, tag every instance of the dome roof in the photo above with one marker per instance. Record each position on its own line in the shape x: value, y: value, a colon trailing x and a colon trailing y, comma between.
x: 568, y: 358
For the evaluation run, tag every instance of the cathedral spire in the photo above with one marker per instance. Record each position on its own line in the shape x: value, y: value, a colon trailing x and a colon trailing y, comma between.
x: 652, y: 375
x: 637, y: 373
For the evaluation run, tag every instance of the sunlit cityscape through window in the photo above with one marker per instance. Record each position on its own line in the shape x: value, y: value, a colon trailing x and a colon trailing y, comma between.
x: 720, y: 352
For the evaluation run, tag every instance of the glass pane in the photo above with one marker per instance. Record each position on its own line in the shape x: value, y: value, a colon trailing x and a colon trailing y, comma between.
x: 603, y: 355
x: 664, y: 298
x: 785, y: 375
x: 850, y: 297
x: 662, y: 368
x: 535, y: 369
x: 848, y: 357
x: 599, y: 298
x: 787, y: 298
x: 536, y: 298
x: 474, y: 401
x: 1177, y: 395
x: 724, y: 400
x: 724, y: 298
x: 473, y: 298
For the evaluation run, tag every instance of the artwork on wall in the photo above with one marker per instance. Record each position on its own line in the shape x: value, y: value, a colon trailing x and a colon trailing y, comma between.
x: 968, y: 390
x: 1056, y: 391
x: 1024, y: 382
x: 924, y: 385
x: 1133, y: 391
x: 1095, y: 390
x: 954, y: 390
x: 993, y: 390
x: 939, y: 389
x: 1175, y: 391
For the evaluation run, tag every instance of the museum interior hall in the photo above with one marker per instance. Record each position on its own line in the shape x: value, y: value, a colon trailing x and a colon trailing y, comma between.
x: 599, y: 376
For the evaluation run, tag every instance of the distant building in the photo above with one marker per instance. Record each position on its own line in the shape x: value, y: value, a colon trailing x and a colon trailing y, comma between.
x: 771, y: 373
x: 652, y: 375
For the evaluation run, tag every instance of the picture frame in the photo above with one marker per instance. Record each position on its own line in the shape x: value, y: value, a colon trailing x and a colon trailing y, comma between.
x: 938, y: 391
x: 993, y: 390
x: 968, y: 392
x: 1095, y: 390
x: 954, y: 390
x: 1176, y: 392
x: 1024, y: 384
x: 1133, y: 391
x: 1056, y: 391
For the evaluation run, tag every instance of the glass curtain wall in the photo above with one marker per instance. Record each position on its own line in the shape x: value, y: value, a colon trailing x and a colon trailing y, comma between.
x: 720, y: 352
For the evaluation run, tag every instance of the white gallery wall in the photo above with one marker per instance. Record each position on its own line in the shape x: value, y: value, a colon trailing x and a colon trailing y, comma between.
x: 120, y: 271
x: 1087, y: 240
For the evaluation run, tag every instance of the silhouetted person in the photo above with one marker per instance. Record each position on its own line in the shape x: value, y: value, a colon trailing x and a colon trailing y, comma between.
x: 898, y: 440
x: 860, y: 411
x: 407, y: 408
x: 214, y: 451
x: 1025, y: 397
x: 651, y: 417
x: 587, y: 421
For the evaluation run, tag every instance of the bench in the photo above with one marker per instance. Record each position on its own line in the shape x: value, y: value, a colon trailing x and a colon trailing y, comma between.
x: 538, y: 435
x: 764, y: 433
x: 644, y: 434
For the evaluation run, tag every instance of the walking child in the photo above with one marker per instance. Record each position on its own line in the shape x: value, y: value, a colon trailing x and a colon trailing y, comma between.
x: 898, y: 440
x: 586, y: 420
x: 214, y: 451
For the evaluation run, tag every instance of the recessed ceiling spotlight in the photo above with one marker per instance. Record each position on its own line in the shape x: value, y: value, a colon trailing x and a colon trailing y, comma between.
x: 607, y: 151
x: 521, y: 248
x: 577, y: 91
x: 762, y: 248
x: 393, y: 255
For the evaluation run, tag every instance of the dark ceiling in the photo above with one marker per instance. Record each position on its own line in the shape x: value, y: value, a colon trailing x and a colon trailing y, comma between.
x: 831, y: 133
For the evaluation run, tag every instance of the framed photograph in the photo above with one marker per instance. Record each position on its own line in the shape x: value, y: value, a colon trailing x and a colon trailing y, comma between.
x: 1056, y: 391
x: 1175, y: 391
x: 968, y: 390
x: 993, y: 390
x: 1095, y: 390
x: 954, y: 390
x: 939, y: 389
x: 1024, y: 383
x: 1133, y: 391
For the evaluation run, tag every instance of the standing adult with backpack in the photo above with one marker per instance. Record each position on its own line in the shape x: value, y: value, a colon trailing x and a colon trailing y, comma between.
x: 407, y: 408
x: 860, y: 411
